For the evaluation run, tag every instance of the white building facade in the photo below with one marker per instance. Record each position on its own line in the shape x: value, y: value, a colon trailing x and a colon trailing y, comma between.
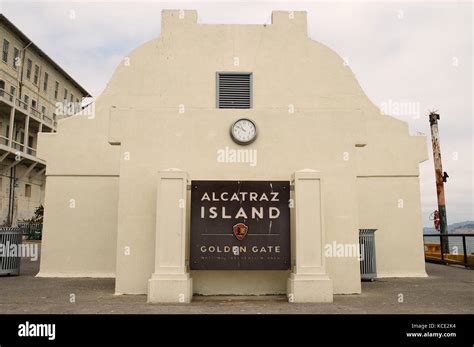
x: 119, y: 196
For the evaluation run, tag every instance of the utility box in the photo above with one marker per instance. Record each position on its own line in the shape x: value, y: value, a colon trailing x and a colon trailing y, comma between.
x: 368, y: 267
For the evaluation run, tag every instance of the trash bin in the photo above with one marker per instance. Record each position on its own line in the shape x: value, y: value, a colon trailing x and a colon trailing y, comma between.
x: 368, y: 268
x: 10, y: 257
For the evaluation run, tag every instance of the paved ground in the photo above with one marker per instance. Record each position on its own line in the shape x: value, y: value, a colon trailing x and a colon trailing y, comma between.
x: 447, y: 290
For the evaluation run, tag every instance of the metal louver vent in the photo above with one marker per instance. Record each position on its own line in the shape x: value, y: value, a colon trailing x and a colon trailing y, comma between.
x: 234, y: 90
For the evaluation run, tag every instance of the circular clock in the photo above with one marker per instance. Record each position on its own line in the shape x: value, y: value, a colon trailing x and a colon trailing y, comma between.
x: 243, y: 131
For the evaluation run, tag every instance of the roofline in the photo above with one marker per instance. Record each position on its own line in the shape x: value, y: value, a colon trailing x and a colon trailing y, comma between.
x: 25, y: 38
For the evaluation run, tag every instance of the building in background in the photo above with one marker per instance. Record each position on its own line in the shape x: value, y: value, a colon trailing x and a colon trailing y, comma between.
x: 31, y: 85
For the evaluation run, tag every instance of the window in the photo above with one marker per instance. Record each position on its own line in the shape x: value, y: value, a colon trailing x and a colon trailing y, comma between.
x: 28, y: 68
x: 234, y: 90
x: 27, y: 190
x: 6, y: 45
x: 65, y: 94
x: 36, y: 77
x: 43, y: 110
x: 33, y: 104
x: 2, y: 88
x: 26, y: 99
x: 16, y: 57
x: 56, y: 90
x: 12, y: 93
x: 45, y: 82
x: 71, y: 98
x: 30, y: 149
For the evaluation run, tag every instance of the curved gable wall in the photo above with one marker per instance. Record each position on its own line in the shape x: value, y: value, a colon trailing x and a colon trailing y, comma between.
x: 137, y: 117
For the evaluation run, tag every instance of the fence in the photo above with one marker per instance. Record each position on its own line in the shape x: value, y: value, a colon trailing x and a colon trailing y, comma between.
x: 10, y: 238
x: 460, y: 247
x: 32, y: 231
x: 368, y: 268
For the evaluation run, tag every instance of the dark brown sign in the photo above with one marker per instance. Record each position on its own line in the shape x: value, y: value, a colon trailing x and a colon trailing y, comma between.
x: 240, y: 225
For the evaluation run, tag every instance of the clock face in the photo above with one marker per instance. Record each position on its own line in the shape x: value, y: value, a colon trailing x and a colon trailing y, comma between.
x: 243, y: 131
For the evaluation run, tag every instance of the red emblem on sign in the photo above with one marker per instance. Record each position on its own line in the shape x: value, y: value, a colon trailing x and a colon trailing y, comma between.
x: 240, y: 231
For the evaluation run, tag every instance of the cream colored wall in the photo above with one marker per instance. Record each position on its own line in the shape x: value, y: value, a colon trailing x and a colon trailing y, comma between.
x: 86, y: 151
x: 79, y: 234
x: 85, y: 168
x: 392, y: 206
x: 279, y: 155
x: 139, y: 113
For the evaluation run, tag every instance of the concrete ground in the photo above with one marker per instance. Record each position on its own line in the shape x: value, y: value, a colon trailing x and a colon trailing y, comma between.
x: 448, y: 289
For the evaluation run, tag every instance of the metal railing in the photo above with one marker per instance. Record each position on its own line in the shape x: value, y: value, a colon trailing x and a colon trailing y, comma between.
x: 35, y: 112
x: 10, y: 263
x: 31, y: 151
x: 7, y: 96
x: 17, y: 145
x: 20, y: 104
x: 368, y: 268
x: 32, y: 231
x: 3, y: 140
x: 48, y: 120
x: 460, y: 249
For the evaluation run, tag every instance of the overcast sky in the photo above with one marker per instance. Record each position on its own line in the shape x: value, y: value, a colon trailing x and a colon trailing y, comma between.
x: 420, y: 54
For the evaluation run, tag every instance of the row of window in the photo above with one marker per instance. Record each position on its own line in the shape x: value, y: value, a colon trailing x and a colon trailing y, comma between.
x: 33, y: 74
x: 26, y: 100
x: 27, y: 188
x: 18, y: 136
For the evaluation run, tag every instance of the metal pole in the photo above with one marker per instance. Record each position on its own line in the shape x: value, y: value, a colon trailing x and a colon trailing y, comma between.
x: 464, y: 249
x: 440, y: 179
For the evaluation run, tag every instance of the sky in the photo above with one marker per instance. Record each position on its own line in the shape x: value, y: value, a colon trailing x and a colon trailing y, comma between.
x: 416, y: 55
